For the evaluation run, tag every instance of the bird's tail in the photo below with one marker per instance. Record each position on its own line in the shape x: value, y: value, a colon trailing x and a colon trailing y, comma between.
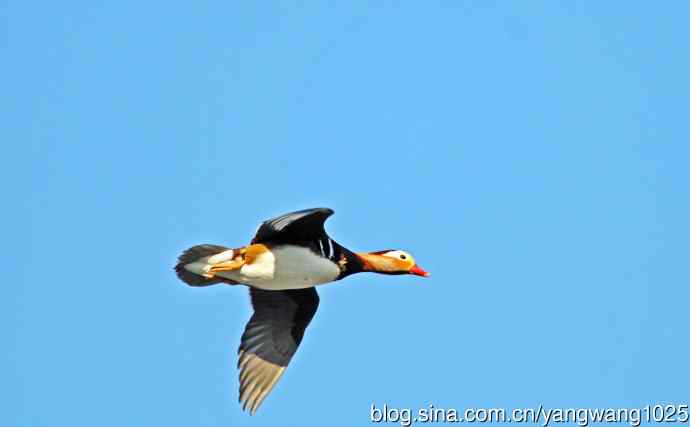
x: 194, y: 264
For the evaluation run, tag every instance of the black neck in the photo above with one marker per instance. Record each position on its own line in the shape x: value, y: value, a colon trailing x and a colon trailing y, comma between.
x: 348, y: 262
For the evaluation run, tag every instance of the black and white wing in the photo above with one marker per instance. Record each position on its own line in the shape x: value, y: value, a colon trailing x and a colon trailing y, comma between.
x: 305, y: 225
x: 271, y: 338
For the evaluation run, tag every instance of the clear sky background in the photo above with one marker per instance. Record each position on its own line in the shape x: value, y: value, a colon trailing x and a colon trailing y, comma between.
x: 533, y: 156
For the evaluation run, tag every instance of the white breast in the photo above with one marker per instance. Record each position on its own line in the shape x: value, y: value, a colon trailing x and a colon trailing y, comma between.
x: 286, y: 267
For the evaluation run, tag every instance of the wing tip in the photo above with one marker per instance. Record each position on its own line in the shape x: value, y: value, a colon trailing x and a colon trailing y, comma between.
x: 258, y: 383
x: 327, y: 211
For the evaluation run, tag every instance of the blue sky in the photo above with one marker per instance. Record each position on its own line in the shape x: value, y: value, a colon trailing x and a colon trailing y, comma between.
x: 533, y: 156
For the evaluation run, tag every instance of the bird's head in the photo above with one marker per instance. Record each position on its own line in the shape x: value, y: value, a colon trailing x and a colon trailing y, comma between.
x: 391, y: 261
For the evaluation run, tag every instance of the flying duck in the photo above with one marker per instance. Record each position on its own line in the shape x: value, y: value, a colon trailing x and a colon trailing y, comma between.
x: 286, y: 259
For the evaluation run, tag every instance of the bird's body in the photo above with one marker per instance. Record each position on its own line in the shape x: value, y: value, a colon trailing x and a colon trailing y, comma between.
x: 278, y: 268
x: 289, y: 256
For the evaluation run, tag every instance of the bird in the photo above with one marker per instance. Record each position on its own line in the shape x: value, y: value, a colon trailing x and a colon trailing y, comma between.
x: 287, y: 258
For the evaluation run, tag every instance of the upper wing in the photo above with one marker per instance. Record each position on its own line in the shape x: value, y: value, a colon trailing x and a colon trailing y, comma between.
x: 294, y: 226
x: 271, y: 338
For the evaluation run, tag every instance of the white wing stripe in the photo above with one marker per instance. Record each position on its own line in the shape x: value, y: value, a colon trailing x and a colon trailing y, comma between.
x: 330, y: 248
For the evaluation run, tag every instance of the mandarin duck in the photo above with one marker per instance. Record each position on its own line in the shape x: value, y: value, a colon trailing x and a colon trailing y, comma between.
x: 287, y: 258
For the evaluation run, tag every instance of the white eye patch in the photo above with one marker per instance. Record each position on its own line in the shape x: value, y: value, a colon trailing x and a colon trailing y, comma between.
x: 398, y: 255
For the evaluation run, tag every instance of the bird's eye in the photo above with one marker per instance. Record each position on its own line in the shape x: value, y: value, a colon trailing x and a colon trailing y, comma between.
x: 402, y: 256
